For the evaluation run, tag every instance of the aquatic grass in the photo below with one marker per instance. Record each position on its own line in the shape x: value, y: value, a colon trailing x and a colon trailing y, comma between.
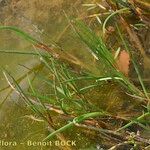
x: 134, y: 63
x: 135, y: 121
x: 111, y: 15
x: 20, y: 79
x: 56, y: 53
x: 22, y: 53
x: 34, y: 92
x: 31, y: 104
x: 64, y: 82
x: 21, y: 33
x: 146, y: 114
x: 45, y: 97
x: 76, y: 120
x: 88, y: 38
x: 62, y: 90
x: 97, y: 46
x: 110, y: 62
x: 62, y: 76
x: 59, y: 88
x: 15, y: 86
x: 62, y: 73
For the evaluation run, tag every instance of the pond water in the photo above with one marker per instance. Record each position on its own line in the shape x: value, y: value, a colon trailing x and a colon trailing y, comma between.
x: 46, y: 21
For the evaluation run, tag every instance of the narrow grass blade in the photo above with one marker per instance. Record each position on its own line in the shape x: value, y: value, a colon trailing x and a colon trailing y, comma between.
x: 95, y: 44
x: 135, y: 65
x: 75, y: 121
x: 20, y: 33
x: 132, y: 122
x: 111, y: 15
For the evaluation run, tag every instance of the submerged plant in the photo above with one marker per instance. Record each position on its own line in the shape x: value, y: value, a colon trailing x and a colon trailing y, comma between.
x: 68, y: 97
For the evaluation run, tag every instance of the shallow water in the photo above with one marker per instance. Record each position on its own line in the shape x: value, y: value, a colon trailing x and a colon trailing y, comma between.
x: 46, y: 21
